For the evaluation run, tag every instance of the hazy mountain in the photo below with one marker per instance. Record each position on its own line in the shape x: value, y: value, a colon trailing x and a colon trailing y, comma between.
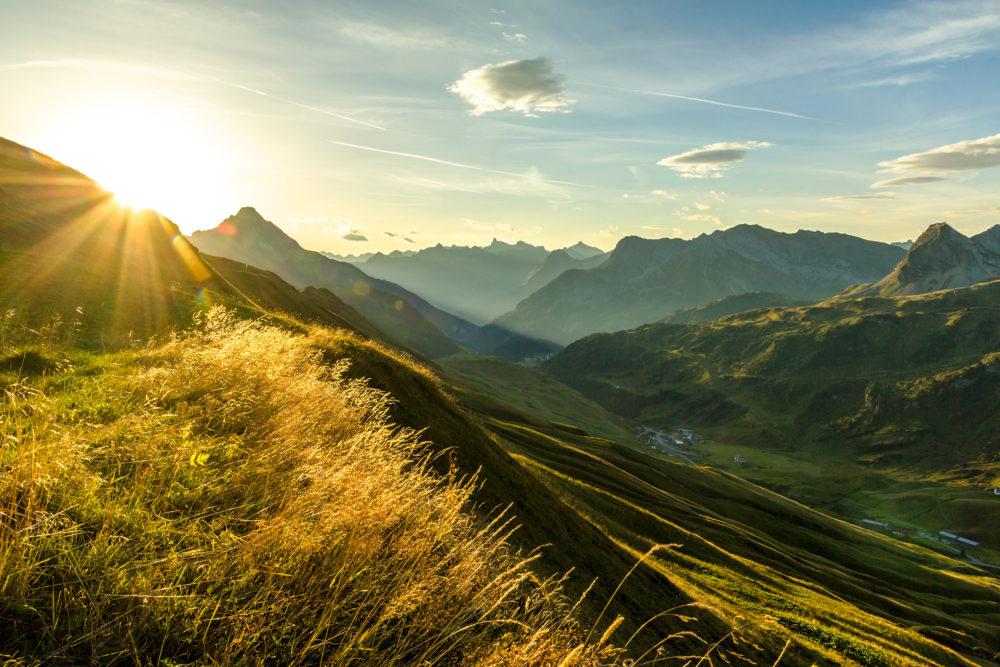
x: 556, y: 263
x: 729, y: 305
x: 645, y: 280
x: 350, y: 259
x: 905, y: 245
x: 477, y: 283
x: 941, y: 258
x: 401, y: 314
x: 581, y: 250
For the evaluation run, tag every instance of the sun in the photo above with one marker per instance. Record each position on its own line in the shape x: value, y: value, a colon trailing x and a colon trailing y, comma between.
x: 148, y: 156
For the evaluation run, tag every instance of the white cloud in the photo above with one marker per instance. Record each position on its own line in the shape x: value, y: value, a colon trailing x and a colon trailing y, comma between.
x: 883, y: 195
x: 717, y: 196
x: 664, y: 194
x: 906, y: 180
x: 516, y: 37
x: 389, y: 38
x: 929, y: 166
x: 702, y: 217
x: 702, y: 207
x: 899, y: 80
x: 528, y: 86
x: 501, y: 227
x: 711, y: 160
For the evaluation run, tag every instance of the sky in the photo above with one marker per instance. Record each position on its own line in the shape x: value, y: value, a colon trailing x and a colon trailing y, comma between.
x: 377, y: 126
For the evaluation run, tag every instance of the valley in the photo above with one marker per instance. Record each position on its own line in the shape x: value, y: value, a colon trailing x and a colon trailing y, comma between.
x: 743, y: 541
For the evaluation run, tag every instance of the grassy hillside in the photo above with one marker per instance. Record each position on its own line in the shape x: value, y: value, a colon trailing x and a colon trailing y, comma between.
x: 229, y: 497
x: 844, y: 595
x: 534, y: 392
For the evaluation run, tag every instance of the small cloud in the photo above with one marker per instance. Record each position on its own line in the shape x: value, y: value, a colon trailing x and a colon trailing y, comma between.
x: 354, y: 236
x: 963, y: 213
x: 676, y: 231
x: 928, y: 166
x: 711, y: 160
x: 702, y: 217
x: 906, y: 180
x: 702, y: 207
x: 528, y: 86
x: 516, y: 37
x: 902, y: 80
x: 498, y: 12
x: 717, y: 196
x: 496, y: 23
x: 882, y: 195
x: 663, y: 193
x: 409, y: 240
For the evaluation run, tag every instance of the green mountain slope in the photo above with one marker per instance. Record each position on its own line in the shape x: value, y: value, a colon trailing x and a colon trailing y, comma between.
x: 644, y: 280
x: 730, y: 305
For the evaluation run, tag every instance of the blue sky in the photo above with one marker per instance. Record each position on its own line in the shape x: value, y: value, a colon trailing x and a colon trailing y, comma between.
x: 407, y: 124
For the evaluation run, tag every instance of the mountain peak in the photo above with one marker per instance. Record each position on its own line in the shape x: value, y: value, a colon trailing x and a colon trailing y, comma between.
x: 940, y: 258
x: 940, y: 232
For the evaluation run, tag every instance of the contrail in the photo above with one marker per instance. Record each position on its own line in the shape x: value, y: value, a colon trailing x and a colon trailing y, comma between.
x: 702, y: 100
x: 454, y: 164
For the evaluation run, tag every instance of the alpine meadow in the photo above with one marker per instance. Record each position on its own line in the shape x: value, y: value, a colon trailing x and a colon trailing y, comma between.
x: 563, y: 334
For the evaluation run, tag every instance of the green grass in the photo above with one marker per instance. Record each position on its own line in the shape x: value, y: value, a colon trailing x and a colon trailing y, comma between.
x: 228, y: 497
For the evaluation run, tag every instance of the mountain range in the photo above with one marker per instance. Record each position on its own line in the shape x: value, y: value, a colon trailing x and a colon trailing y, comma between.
x: 409, y: 319
x: 886, y: 385
x: 644, y: 280
x: 479, y: 283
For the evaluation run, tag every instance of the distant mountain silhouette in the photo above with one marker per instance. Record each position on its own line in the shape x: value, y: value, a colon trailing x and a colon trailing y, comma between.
x: 644, y: 280
x: 401, y: 314
x: 941, y: 258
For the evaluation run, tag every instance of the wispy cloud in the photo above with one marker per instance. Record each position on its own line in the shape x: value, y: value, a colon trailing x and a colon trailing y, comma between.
x: 518, y: 37
x: 528, y: 86
x: 701, y: 100
x: 898, y: 80
x: 663, y: 194
x: 161, y: 73
x: 711, y: 160
x: 703, y: 217
x: 906, y: 180
x: 390, y: 38
x: 883, y: 195
x: 185, y: 98
x: 529, y: 175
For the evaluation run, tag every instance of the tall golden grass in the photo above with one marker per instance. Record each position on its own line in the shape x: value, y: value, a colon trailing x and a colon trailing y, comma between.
x: 229, y: 498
